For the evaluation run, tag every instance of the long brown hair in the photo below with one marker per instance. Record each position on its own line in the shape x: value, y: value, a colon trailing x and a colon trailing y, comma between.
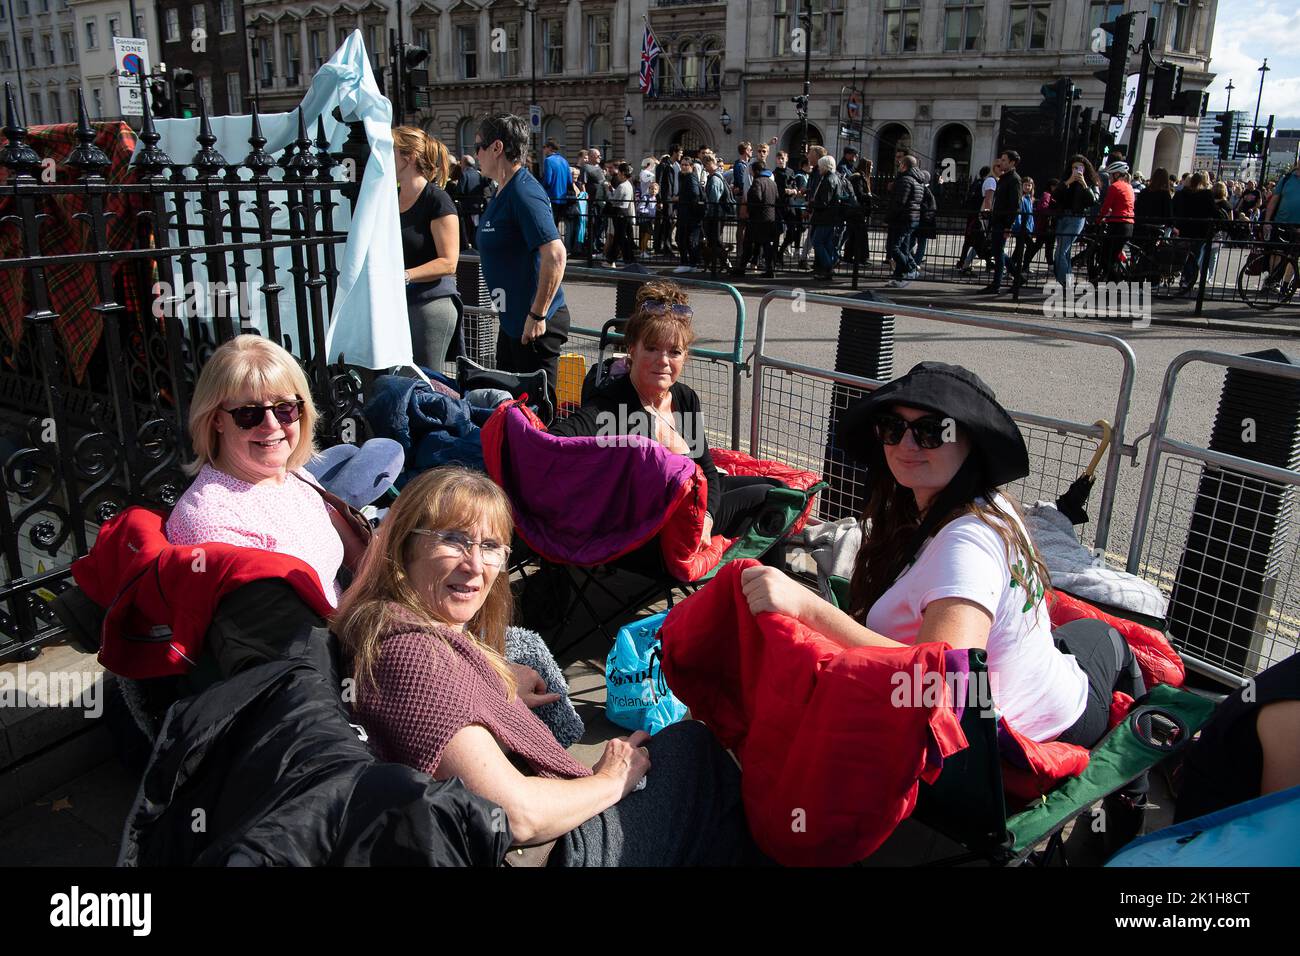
x: 444, y: 498
x: 891, y: 523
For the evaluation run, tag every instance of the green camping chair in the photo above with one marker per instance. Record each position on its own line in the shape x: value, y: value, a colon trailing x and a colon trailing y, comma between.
x: 967, y: 803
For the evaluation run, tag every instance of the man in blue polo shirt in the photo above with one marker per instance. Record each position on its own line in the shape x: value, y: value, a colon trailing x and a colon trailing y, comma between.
x: 522, y: 256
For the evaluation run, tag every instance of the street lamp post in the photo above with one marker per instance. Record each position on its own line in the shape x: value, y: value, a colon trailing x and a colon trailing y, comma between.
x: 806, y: 16
x: 1255, y: 125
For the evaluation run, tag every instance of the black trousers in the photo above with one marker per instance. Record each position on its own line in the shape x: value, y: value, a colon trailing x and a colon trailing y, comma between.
x: 742, y: 497
x: 624, y: 248
x: 1108, y: 661
x: 542, y: 352
x: 688, y: 239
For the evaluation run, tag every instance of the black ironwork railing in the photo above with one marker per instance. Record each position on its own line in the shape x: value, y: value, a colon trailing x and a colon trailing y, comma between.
x: 87, y: 430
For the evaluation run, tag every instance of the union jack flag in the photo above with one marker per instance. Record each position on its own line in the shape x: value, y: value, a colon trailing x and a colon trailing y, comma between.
x: 649, y: 55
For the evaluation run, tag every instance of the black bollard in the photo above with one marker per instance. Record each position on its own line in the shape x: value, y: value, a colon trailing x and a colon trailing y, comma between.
x: 1232, y: 562
x: 866, y: 348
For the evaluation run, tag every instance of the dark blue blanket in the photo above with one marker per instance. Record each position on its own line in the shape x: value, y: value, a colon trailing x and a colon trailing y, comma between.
x: 434, y: 429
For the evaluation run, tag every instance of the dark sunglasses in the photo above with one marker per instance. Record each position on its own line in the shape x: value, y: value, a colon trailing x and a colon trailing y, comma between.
x: 479, y: 147
x: 927, y: 430
x: 250, y: 416
x: 655, y: 307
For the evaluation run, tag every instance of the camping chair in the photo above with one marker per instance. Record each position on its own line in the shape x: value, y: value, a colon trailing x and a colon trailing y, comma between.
x: 968, y: 802
x: 633, y: 506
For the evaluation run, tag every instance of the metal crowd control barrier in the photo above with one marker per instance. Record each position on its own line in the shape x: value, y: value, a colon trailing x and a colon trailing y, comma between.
x: 715, y: 374
x: 795, y: 406
x: 1232, y: 581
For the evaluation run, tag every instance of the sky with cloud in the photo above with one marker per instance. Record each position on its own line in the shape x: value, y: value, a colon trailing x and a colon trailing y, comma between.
x: 1245, y: 33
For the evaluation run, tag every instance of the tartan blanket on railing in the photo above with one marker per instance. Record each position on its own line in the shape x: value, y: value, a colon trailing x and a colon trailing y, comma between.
x: 74, y: 293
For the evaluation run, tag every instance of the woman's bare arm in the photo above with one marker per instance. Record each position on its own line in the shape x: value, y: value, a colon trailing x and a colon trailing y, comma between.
x: 446, y: 234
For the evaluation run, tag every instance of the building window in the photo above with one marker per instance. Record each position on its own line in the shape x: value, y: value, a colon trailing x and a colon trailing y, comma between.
x: 199, y: 18
x: 427, y: 38
x: 24, y: 8
x: 266, y: 58
x: 234, y: 95
x: 204, y: 83
x: 600, y: 134
x: 962, y: 24
x: 69, y: 47
x: 226, y: 16
x: 97, y: 96
x: 712, y: 65
x: 29, y: 51
x: 1101, y: 12
x: 1028, y: 27
x: 375, y: 44
x: 598, y: 49
x: 92, y: 35
x: 292, y: 64
x: 902, y: 26
x: 467, y: 48
x: 139, y: 25
x: 1156, y: 13
x: 826, y: 25
x: 552, y: 46
x: 1184, y: 29
x: 114, y: 26
x: 5, y: 61
x: 465, y: 133
x: 316, y: 47
x: 47, y: 48
x: 45, y: 6
x: 507, y: 56
x: 172, y: 20
x: 38, y: 117
x: 56, y: 106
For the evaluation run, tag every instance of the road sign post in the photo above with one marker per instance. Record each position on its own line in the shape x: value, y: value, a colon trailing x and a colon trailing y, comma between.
x: 130, y: 61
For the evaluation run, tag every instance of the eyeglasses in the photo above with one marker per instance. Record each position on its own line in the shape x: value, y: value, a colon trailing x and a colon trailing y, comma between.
x: 655, y: 307
x: 457, y: 544
x: 250, y: 416
x: 928, y: 430
x: 479, y: 147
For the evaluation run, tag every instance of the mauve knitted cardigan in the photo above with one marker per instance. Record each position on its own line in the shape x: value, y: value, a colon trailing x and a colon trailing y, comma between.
x: 432, y: 681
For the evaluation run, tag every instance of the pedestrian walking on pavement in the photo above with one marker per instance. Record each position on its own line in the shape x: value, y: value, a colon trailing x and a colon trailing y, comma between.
x: 904, y: 216
x: 1006, y: 206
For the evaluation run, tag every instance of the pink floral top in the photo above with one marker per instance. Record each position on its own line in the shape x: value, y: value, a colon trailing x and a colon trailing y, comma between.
x: 287, y: 518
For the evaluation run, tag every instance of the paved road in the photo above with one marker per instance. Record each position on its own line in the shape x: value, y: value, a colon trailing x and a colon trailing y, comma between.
x: 1045, y: 376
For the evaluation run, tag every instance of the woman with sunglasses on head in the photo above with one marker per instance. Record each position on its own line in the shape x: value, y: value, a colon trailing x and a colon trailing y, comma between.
x: 643, y: 396
x: 945, y: 557
x: 251, y: 424
x: 424, y: 627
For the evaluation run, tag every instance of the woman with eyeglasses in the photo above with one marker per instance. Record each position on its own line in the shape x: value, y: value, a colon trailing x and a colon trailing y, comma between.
x: 521, y: 253
x: 945, y: 557
x: 251, y: 424
x: 424, y: 626
x: 643, y: 396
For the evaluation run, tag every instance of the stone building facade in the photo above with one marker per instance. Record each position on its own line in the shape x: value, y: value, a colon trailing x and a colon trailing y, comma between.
x: 39, y: 49
x: 209, y: 38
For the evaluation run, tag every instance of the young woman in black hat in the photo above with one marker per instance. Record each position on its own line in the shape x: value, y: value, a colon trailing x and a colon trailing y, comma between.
x: 945, y: 557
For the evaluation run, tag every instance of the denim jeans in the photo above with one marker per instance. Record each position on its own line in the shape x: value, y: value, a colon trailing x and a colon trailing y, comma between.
x: 918, y: 251
x: 1067, y: 230
x: 899, y: 242
x: 826, y: 244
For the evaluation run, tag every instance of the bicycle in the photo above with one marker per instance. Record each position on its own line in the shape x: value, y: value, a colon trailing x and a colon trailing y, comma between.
x: 1270, y: 276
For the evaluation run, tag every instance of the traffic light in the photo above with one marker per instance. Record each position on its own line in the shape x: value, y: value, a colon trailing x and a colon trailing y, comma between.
x: 1257, y: 141
x: 160, y: 98
x: 1057, y: 99
x: 1223, y: 133
x: 1083, y: 132
x: 1120, y: 30
x: 1166, y: 86
x: 415, y: 79
x: 186, y: 97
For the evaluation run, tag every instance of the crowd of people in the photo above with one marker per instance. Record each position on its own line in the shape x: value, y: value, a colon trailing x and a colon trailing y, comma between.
x: 421, y: 606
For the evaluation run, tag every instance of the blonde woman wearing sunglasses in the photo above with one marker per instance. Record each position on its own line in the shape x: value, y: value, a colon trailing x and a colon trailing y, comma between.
x: 251, y: 425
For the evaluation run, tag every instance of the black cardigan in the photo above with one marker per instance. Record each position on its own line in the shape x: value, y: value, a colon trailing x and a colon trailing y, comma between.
x: 619, y: 402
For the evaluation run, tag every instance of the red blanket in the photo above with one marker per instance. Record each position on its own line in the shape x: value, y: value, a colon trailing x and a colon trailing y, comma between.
x: 161, y: 597
x: 831, y: 764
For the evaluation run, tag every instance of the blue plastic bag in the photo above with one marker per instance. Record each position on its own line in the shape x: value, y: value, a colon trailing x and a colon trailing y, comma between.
x: 636, y: 695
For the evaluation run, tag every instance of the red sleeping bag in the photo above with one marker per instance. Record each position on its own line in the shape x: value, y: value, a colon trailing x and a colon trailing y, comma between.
x: 1159, y: 661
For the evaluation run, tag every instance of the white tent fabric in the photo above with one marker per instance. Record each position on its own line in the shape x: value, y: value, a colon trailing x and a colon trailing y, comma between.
x: 368, y: 324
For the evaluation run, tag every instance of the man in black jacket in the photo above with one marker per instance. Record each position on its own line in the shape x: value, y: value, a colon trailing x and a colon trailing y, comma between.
x: 667, y: 175
x: 1006, y: 204
x: 690, y: 215
x: 902, y: 219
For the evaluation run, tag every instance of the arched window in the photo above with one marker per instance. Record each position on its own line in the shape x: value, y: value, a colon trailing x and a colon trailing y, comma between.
x: 553, y: 128
x: 465, y: 137
x: 688, y: 67
x: 600, y: 133
x: 712, y: 66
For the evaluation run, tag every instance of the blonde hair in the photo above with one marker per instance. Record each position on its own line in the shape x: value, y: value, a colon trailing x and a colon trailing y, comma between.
x: 248, y: 364
x: 648, y: 329
x: 441, y: 499
x: 427, y: 152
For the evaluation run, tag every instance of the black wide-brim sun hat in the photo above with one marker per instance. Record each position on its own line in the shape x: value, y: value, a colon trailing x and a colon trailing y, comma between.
x: 948, y: 390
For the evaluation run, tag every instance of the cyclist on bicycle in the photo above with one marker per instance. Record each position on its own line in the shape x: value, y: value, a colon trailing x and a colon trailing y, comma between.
x: 1116, y: 214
